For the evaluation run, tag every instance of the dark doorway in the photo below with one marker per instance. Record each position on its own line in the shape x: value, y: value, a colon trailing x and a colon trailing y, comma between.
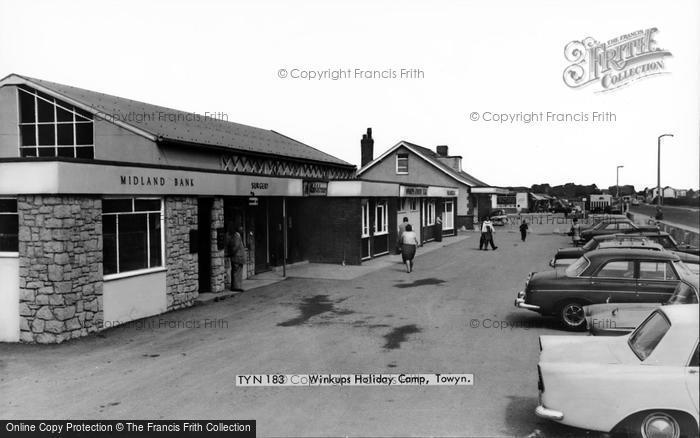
x: 276, y: 231
x: 204, y: 207
x: 260, y: 233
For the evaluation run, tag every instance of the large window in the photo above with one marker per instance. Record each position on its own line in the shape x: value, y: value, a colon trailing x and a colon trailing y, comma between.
x: 133, y: 234
x: 9, y: 225
x: 381, y: 218
x: 49, y: 127
x: 402, y: 163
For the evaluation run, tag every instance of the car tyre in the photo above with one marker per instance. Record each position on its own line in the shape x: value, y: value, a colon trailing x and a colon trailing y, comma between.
x: 663, y: 424
x: 572, y: 315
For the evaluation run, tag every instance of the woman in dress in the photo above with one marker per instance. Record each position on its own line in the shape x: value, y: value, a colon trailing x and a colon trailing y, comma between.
x: 409, y: 243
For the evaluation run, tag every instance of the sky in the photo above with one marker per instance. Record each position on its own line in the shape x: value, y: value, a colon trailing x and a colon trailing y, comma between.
x: 467, y: 57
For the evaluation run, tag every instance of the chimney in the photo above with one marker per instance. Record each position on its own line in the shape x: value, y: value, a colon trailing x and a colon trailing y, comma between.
x: 367, y: 148
x: 454, y: 161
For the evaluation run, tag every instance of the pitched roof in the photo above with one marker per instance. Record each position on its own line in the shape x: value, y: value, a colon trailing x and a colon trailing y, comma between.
x: 432, y: 158
x: 180, y: 126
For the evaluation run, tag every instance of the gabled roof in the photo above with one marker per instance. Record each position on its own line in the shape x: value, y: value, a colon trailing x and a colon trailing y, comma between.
x: 178, y: 126
x: 430, y: 157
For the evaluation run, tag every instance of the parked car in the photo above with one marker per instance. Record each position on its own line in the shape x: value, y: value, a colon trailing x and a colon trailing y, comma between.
x: 498, y: 217
x: 614, y: 319
x: 566, y: 256
x: 643, y: 384
x: 617, y: 226
x: 601, y: 276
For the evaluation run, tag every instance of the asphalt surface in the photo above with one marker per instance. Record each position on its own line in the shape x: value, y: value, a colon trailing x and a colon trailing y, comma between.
x: 432, y: 320
x: 688, y: 216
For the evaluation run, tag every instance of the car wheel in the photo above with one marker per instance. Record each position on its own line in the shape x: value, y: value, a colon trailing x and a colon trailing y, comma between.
x: 572, y: 315
x: 659, y: 425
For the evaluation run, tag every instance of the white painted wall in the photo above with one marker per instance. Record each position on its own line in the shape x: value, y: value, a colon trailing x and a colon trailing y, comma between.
x: 130, y: 298
x: 9, y: 298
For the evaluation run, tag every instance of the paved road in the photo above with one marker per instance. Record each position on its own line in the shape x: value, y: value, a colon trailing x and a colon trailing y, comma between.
x: 384, y: 322
x: 688, y: 216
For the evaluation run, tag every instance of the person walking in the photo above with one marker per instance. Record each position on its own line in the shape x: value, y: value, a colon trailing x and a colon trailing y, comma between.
x: 487, y: 232
x: 236, y: 252
x: 402, y: 229
x: 409, y: 243
x: 523, y: 230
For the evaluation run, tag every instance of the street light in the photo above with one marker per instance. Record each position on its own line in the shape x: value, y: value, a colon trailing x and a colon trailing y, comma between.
x: 617, y: 184
x: 658, y: 174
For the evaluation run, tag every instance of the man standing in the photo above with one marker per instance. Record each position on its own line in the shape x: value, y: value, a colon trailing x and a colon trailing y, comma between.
x: 237, y: 253
x: 523, y: 230
x: 575, y: 232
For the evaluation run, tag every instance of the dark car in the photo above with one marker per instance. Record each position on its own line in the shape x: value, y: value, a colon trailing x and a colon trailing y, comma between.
x: 498, y: 217
x: 604, y: 275
x: 617, y: 226
x: 687, y: 253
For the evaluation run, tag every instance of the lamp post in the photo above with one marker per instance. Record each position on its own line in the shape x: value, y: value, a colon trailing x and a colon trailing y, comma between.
x: 617, y: 183
x: 659, y: 214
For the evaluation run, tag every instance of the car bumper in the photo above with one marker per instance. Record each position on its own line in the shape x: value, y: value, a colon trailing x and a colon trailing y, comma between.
x: 549, y: 414
x: 520, y: 302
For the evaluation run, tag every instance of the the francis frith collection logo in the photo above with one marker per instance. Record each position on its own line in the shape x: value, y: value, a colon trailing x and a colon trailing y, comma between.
x: 616, y: 62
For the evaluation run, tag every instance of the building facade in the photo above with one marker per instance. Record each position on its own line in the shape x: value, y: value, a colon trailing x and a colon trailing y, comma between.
x: 460, y: 204
x: 113, y: 210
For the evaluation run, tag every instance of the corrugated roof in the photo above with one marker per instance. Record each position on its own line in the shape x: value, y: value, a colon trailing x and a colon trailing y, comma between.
x: 181, y: 126
x: 433, y: 157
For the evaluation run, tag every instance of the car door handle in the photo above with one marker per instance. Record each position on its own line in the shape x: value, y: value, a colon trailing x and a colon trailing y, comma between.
x: 691, y: 371
x: 594, y: 282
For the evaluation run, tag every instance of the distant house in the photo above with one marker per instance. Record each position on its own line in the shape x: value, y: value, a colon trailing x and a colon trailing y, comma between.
x: 410, y: 164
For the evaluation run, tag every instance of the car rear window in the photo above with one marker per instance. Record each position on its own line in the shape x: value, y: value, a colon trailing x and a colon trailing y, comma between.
x: 576, y: 268
x: 644, y: 340
x: 684, y: 294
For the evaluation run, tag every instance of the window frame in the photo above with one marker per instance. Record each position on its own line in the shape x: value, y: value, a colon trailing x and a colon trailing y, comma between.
x: 34, y: 93
x: 149, y: 269
x: 364, y: 212
x: 401, y: 156
x: 381, y: 231
x: 669, y: 267
x: 8, y: 213
x: 452, y: 215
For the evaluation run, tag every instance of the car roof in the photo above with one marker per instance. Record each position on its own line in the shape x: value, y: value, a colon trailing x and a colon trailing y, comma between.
x: 631, y: 243
x: 629, y: 236
x: 683, y: 316
x: 632, y: 252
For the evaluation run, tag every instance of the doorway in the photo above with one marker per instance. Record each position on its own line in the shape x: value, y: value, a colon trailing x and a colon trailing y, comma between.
x: 204, y: 207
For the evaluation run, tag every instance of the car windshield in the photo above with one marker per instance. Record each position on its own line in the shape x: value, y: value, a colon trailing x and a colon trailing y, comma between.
x: 644, y: 340
x: 590, y: 245
x: 684, y: 294
x: 576, y: 268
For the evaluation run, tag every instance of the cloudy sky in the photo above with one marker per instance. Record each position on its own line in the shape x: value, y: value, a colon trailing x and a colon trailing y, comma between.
x: 483, y: 57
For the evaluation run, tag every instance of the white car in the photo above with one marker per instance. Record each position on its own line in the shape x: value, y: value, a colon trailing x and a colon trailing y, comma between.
x: 644, y: 384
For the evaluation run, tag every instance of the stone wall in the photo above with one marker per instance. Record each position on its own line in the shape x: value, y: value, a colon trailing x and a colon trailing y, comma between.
x: 60, y: 267
x: 218, y: 265
x: 182, y: 279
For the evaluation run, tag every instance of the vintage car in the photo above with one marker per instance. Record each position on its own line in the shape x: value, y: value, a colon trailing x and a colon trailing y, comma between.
x: 616, y: 226
x: 601, y: 276
x: 566, y: 256
x: 643, y: 384
x: 614, y: 319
